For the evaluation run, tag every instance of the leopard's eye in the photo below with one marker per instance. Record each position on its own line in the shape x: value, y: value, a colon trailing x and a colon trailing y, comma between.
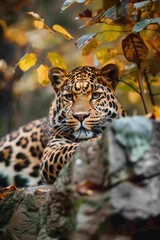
x: 96, y: 95
x: 69, y: 96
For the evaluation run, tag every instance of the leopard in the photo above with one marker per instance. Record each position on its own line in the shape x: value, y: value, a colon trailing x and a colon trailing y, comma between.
x: 85, y: 103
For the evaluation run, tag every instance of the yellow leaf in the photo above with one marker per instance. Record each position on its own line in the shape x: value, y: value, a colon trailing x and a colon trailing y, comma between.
x: 56, y: 60
x: 104, y: 54
x: 111, y: 32
x: 27, y: 61
x: 134, y: 97
x: 63, y: 31
x: 90, y: 47
x: 42, y: 72
x: 106, y: 20
x: 16, y: 35
x: 39, y: 24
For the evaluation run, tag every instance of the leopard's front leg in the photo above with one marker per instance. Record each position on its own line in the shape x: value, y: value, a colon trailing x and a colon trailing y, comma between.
x: 56, y: 154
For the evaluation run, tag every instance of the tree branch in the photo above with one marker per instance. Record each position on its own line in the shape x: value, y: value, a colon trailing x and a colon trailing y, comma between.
x: 142, y: 94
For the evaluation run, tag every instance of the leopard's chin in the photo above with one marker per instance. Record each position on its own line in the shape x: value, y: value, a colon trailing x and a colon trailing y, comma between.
x: 83, y: 134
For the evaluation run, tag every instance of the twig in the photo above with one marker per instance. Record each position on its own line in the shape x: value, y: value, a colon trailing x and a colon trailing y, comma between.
x: 155, y: 94
x: 131, y: 86
x: 142, y: 94
x: 149, y: 88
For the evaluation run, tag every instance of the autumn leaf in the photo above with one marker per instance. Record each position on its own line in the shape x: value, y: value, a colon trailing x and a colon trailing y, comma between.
x: 16, y: 35
x: 57, y: 60
x: 134, y: 97
x: 111, y: 32
x: 117, y: 12
x: 109, y: 4
x: 67, y: 4
x: 104, y: 54
x: 35, y: 15
x: 63, y: 31
x: 156, y: 112
x: 90, y: 47
x: 85, y: 39
x: 80, y: 1
x: 134, y: 48
x: 141, y: 4
x: 85, y: 14
x: 139, y: 26
x: 7, y: 191
x: 27, y: 61
x: 42, y: 72
x: 87, y: 2
x: 97, y: 19
x: 39, y: 24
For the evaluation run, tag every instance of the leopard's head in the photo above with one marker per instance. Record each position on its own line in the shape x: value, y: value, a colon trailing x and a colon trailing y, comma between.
x: 85, y: 100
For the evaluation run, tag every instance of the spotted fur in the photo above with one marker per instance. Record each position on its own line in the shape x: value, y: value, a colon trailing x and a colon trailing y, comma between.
x: 85, y: 103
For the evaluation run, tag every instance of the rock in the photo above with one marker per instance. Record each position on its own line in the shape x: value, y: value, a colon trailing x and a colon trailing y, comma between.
x: 109, y: 190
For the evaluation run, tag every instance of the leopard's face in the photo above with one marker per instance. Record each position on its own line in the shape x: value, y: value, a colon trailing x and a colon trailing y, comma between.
x: 85, y: 101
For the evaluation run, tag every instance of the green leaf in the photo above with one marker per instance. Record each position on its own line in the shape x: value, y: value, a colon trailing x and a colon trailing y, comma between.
x: 144, y: 23
x: 141, y: 4
x: 85, y: 39
x: 141, y: 25
x: 155, y: 20
x: 80, y: 1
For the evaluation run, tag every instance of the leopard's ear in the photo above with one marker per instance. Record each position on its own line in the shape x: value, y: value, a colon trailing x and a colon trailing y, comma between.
x: 57, y: 76
x: 111, y: 74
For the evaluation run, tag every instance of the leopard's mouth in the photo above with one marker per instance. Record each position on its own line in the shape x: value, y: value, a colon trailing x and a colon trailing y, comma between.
x: 83, y: 134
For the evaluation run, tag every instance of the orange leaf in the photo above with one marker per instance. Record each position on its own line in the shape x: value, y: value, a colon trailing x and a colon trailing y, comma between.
x: 39, y: 24
x: 6, y: 191
x: 156, y: 112
x: 134, y: 48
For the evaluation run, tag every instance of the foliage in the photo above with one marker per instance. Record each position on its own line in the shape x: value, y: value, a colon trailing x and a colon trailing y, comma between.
x: 135, y: 24
x: 29, y: 60
x: 123, y: 32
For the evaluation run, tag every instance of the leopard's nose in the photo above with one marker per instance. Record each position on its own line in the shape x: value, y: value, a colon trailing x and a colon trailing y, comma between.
x: 80, y: 116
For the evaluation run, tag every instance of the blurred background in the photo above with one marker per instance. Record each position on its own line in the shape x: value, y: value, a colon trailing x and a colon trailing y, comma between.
x: 22, y: 98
